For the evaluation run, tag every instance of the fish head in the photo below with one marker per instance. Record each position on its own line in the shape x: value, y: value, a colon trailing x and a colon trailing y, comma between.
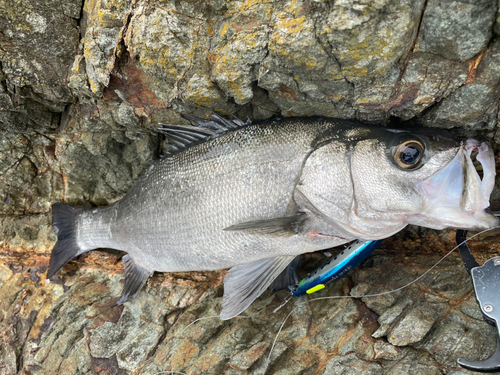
x: 386, y: 179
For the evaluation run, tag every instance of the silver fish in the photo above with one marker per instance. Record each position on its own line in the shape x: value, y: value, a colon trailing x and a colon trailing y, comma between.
x: 251, y: 197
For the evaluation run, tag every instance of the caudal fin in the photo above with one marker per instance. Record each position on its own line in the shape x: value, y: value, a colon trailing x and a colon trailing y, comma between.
x: 66, y: 248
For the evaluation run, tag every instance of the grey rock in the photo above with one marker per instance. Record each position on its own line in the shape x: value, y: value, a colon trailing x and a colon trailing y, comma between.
x: 415, y: 363
x: 457, y: 30
x: 280, y: 350
x: 497, y: 21
x: 102, y: 28
x: 384, y: 350
x: 389, y: 318
x: 246, y: 358
x: 427, y: 80
x: 301, y: 361
x: 452, y: 340
x: 335, y: 326
x: 350, y: 365
x: 38, y: 46
x: 414, y: 326
x: 365, y: 40
x: 475, y: 104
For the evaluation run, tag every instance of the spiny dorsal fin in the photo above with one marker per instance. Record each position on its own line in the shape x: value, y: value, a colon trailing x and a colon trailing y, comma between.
x: 135, y: 278
x: 181, y: 137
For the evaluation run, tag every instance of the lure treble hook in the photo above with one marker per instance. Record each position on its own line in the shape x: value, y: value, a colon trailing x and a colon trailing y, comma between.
x: 486, y: 280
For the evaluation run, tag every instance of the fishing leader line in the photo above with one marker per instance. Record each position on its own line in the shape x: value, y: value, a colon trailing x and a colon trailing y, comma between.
x: 417, y: 279
x: 289, y: 297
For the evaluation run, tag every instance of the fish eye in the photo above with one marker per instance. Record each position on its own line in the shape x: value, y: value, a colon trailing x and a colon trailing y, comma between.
x: 407, y: 155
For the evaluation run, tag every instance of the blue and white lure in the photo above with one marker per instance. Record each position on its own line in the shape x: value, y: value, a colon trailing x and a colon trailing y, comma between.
x: 335, y: 268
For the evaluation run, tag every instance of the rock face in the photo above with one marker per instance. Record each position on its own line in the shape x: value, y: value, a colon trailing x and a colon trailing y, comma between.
x: 82, y: 87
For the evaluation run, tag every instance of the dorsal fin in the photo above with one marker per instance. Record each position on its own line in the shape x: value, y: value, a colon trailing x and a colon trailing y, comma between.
x: 181, y: 137
x: 228, y: 124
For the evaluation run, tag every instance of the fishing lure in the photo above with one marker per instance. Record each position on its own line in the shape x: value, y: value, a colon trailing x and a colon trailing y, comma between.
x: 335, y: 267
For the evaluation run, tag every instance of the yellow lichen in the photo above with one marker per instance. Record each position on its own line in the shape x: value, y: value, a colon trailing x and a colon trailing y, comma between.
x: 300, y: 32
x: 106, y: 18
x: 248, y: 4
x: 224, y: 29
x: 293, y: 7
x: 202, y: 92
x: 55, y: 291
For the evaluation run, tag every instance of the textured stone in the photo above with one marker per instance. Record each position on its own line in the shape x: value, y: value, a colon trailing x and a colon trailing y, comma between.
x: 103, y: 28
x: 80, y: 329
x: 497, y: 21
x: 367, y: 41
x: 453, y: 340
x: 245, y: 359
x: 475, y: 103
x: 427, y: 79
x: 457, y: 30
x: 413, y: 327
x: 350, y: 365
x: 302, y: 361
x: 234, y: 63
x: 415, y: 363
x: 38, y: 46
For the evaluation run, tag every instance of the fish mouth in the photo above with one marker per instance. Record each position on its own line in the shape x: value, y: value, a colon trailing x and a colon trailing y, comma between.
x: 456, y: 196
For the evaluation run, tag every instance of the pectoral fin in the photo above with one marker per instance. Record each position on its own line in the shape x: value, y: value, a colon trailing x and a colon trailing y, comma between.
x: 245, y: 282
x: 135, y: 278
x: 282, y: 226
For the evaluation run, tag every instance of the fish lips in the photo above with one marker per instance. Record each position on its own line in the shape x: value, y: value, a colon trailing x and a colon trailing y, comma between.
x: 456, y: 197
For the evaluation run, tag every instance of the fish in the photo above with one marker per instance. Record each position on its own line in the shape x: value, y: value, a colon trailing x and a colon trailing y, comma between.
x: 251, y: 197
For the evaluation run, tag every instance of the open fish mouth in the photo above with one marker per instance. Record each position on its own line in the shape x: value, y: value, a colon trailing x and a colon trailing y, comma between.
x: 457, y: 196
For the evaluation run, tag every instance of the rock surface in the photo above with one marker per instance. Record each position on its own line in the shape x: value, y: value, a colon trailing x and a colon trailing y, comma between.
x: 82, y: 87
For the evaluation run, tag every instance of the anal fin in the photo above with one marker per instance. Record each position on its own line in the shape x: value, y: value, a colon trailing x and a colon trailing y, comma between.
x: 246, y: 282
x: 135, y: 278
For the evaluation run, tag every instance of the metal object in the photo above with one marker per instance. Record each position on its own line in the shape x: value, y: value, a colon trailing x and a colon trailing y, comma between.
x: 486, y: 280
x: 335, y: 268
x: 488, y: 308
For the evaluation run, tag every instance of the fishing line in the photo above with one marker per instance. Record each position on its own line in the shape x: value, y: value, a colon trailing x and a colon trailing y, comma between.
x: 414, y: 281
x: 372, y: 295
x: 285, y: 301
x: 277, y: 335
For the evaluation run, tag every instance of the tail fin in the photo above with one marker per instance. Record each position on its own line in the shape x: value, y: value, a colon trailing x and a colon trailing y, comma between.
x: 66, y: 248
